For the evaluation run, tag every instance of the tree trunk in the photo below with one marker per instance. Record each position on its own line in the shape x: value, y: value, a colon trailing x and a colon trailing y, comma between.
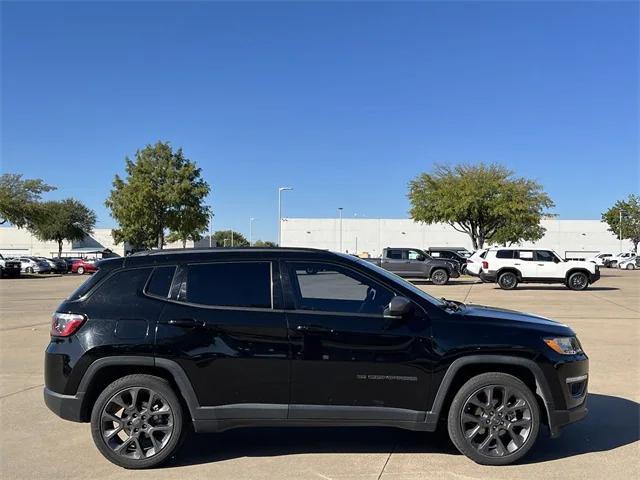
x: 59, y: 248
x: 184, y: 243
x: 160, y: 240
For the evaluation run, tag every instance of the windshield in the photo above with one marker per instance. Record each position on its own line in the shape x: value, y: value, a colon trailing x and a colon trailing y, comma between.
x: 393, y: 277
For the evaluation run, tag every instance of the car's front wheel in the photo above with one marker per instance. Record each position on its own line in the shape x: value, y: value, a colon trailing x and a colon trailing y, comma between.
x: 439, y: 276
x: 578, y: 281
x: 137, y: 421
x: 494, y: 419
x: 80, y: 270
x: 631, y: 266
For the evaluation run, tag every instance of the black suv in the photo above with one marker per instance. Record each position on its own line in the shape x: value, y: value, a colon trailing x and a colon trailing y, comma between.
x: 155, y: 343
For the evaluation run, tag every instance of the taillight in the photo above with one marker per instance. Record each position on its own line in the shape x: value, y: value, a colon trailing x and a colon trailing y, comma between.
x: 65, y: 324
x: 485, y: 265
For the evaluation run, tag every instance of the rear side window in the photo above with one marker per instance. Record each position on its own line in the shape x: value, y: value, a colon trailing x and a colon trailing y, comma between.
x: 243, y: 284
x: 160, y: 281
x: 87, y: 285
x: 394, y: 254
x: 505, y: 253
x: 122, y: 286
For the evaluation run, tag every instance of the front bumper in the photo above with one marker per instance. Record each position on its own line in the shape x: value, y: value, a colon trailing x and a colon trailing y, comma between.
x: 68, y: 407
x: 561, y: 418
x: 594, y: 277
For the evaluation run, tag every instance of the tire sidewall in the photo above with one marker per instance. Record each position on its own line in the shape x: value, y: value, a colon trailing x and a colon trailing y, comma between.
x: 146, y: 381
x: 80, y: 270
x: 455, y: 429
x: 439, y: 271
x: 511, y: 287
x: 586, y: 283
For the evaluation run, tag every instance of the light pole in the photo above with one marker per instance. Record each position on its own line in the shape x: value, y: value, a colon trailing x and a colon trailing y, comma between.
x: 211, y: 215
x: 251, y: 230
x: 340, y: 213
x: 280, y: 190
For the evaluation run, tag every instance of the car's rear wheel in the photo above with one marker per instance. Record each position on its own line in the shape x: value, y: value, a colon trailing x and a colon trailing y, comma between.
x: 508, y: 280
x: 494, y: 419
x: 80, y: 270
x: 578, y: 281
x: 137, y: 421
x: 631, y: 266
x: 439, y: 276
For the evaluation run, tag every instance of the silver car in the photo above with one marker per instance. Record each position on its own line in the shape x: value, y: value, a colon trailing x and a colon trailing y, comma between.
x: 33, y: 265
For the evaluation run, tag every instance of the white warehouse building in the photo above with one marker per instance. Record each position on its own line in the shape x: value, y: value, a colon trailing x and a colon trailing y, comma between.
x: 570, y: 238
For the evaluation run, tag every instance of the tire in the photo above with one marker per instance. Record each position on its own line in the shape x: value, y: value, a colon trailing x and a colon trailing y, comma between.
x: 613, y: 264
x: 489, y: 430
x: 631, y: 266
x: 578, y: 281
x: 80, y: 270
x: 164, y: 429
x: 439, y: 276
x: 29, y: 270
x: 508, y: 280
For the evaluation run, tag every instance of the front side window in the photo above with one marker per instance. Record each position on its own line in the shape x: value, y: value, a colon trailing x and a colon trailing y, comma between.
x: 504, y: 254
x: 242, y: 284
x: 415, y: 255
x: 332, y: 288
x: 545, y: 256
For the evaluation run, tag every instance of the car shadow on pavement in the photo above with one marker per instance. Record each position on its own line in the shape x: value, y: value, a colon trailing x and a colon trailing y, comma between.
x: 558, y: 287
x: 612, y: 422
x: 34, y: 276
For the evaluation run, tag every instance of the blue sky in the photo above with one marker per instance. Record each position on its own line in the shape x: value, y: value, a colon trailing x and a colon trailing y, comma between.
x: 346, y: 102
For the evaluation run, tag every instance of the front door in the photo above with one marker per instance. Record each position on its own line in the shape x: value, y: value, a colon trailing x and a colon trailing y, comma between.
x: 547, y: 264
x: 349, y: 360
x: 224, y: 328
x: 526, y: 264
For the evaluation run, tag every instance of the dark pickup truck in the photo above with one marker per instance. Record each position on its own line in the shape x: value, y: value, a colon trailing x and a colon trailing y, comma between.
x: 416, y: 263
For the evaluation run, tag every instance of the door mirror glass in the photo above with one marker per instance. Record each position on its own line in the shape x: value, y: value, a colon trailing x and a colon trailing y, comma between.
x: 399, y: 307
x: 420, y: 258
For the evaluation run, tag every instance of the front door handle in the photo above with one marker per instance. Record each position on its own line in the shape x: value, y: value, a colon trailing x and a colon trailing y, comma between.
x: 186, y: 322
x: 313, y: 329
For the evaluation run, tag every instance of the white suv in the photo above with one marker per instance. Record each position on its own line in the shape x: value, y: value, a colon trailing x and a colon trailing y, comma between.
x: 510, y: 266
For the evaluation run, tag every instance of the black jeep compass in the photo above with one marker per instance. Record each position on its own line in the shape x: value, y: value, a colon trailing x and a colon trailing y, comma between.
x: 155, y: 343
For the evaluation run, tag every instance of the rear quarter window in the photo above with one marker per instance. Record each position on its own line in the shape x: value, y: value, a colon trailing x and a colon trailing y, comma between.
x: 160, y: 281
x: 504, y: 254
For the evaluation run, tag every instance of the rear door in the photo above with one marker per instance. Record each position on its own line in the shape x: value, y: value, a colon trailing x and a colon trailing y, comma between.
x: 525, y: 262
x: 349, y: 360
x: 395, y: 260
x: 225, y: 327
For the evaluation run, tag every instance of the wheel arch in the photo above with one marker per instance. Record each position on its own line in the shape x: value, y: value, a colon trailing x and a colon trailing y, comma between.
x: 104, y: 371
x: 577, y: 270
x: 465, y: 368
x: 509, y: 269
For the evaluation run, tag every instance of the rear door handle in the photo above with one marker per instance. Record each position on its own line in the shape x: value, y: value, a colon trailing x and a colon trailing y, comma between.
x: 313, y: 329
x: 186, y: 322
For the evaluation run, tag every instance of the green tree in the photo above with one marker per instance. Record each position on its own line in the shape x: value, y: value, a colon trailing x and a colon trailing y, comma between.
x: 264, y: 243
x: 484, y: 201
x: 163, y: 191
x: 63, y: 220
x: 19, y: 199
x: 227, y: 238
x: 629, y: 210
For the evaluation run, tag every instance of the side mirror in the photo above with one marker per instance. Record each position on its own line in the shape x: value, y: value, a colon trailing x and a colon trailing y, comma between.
x: 399, y: 307
x: 421, y: 258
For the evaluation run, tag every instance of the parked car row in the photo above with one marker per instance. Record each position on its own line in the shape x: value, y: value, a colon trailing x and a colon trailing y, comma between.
x: 13, y: 267
x: 626, y: 260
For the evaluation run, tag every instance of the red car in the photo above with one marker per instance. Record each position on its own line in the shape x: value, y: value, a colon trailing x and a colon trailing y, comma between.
x: 83, y: 266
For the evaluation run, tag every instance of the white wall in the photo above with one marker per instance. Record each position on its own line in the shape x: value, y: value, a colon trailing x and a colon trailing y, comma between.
x: 375, y: 234
x: 18, y: 241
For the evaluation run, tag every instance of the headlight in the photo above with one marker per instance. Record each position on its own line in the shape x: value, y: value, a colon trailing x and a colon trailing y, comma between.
x: 564, y: 345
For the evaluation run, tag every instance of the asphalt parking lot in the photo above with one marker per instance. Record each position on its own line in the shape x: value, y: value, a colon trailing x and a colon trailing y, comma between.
x: 36, y: 444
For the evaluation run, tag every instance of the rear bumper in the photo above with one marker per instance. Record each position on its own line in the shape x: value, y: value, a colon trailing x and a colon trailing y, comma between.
x: 68, y: 407
x: 487, y: 277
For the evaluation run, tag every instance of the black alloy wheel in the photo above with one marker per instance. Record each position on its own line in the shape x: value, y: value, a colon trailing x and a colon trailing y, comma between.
x: 508, y: 281
x: 137, y: 422
x: 494, y: 419
x: 439, y: 276
x: 578, y: 281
